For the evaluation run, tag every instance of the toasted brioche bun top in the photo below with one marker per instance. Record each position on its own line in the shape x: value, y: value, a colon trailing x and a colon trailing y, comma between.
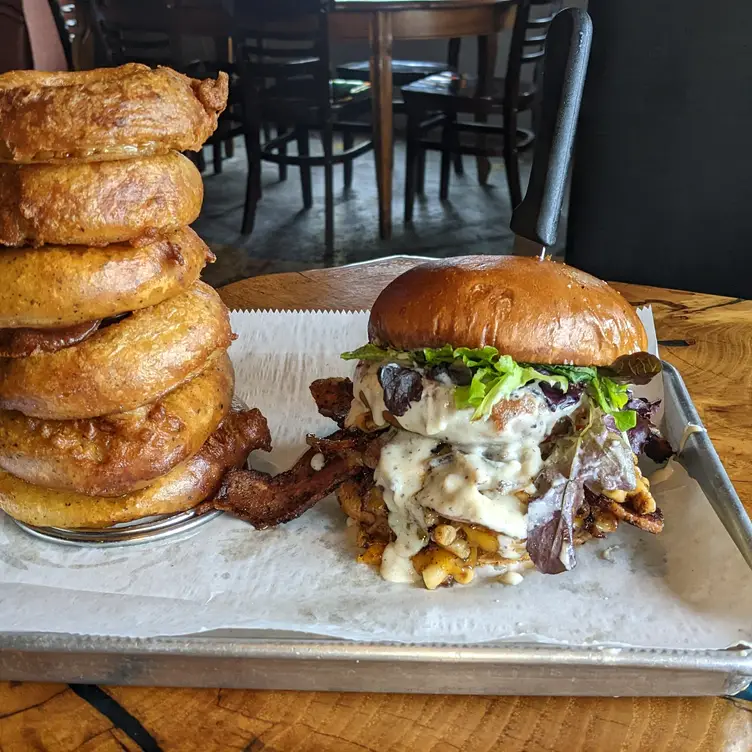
x: 534, y: 310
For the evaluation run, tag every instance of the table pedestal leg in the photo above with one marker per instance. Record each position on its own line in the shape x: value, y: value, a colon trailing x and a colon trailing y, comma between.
x: 381, y: 92
x: 487, y: 51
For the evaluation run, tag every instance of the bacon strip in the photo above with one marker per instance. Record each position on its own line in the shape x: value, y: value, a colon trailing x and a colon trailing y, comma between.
x: 651, y: 523
x: 266, y: 501
x: 333, y: 398
x: 22, y: 342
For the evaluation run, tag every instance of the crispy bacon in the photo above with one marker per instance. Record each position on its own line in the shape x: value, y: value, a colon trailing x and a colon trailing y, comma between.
x: 20, y: 343
x: 333, y: 398
x: 359, y: 448
x: 265, y: 500
x: 651, y: 522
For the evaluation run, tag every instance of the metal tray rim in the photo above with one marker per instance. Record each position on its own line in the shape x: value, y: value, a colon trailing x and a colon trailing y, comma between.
x: 729, y: 660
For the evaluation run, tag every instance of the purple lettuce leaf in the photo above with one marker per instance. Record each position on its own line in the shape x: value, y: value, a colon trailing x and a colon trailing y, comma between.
x: 598, y: 457
x: 401, y: 387
x: 645, y: 436
x: 558, y: 399
x: 550, y: 540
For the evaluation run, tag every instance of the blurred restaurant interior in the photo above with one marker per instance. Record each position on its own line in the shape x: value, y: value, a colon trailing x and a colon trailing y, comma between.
x: 315, y: 164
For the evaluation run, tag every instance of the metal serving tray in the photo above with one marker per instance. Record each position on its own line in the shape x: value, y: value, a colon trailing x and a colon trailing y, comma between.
x: 272, y: 660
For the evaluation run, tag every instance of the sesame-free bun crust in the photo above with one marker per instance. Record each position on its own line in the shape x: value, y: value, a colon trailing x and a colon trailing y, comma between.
x: 534, y: 310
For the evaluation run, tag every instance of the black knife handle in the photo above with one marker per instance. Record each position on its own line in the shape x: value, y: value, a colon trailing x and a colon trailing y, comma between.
x: 565, y: 62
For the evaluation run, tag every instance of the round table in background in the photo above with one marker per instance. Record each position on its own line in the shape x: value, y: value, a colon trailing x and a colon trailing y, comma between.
x: 383, y: 21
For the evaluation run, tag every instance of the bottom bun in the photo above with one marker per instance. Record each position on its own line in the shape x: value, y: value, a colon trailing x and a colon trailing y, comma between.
x: 183, y: 488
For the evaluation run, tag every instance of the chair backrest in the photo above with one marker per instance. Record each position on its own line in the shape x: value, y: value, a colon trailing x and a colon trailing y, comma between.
x: 531, y: 22
x: 65, y: 20
x: 128, y: 31
x: 154, y: 31
x: 282, y: 53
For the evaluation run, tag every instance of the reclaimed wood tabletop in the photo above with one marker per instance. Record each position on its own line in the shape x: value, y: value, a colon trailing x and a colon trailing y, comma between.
x: 708, y: 338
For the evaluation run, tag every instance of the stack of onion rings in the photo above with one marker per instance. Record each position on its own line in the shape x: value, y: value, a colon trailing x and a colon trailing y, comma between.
x: 115, y: 383
x: 184, y: 487
x: 117, y: 454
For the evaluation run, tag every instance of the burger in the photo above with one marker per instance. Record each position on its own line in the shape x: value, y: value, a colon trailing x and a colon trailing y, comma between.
x: 490, y: 420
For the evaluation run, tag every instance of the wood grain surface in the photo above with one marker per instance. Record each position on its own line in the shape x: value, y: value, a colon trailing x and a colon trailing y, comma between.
x: 708, y: 338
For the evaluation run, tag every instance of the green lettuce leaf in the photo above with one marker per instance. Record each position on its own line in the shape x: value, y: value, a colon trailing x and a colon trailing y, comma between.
x: 495, y: 377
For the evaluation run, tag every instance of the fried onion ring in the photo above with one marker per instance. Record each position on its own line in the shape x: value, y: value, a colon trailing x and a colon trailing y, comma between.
x: 97, y: 203
x: 105, y: 114
x: 117, y: 454
x: 182, y: 488
x: 120, y: 367
x: 62, y: 286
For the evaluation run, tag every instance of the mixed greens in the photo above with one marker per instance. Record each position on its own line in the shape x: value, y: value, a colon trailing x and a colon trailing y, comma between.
x: 483, y: 377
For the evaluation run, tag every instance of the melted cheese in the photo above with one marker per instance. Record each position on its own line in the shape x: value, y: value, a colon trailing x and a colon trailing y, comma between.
x: 473, y: 481
x: 436, y: 416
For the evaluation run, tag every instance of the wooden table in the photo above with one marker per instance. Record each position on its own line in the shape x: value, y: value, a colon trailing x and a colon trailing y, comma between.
x: 706, y: 337
x: 383, y: 21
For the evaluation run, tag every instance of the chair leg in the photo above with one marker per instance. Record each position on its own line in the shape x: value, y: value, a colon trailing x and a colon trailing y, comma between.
x: 420, y: 183
x: 459, y: 167
x: 283, y: 153
x: 447, y: 142
x: 413, y: 154
x: 348, y: 141
x: 511, y: 158
x: 217, y: 157
x: 253, y: 184
x: 327, y: 137
x: 301, y: 134
x: 200, y: 160
x: 229, y: 148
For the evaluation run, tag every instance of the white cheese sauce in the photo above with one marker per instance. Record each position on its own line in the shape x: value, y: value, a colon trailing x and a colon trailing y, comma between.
x: 475, y: 481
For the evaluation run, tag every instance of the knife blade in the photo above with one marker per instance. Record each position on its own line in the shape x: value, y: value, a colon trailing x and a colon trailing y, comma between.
x: 535, y: 221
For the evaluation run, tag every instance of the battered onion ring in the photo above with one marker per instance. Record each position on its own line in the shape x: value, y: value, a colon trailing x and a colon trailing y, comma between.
x: 61, y: 286
x: 97, y: 203
x: 120, y: 367
x: 117, y: 454
x: 105, y: 114
x: 182, y: 488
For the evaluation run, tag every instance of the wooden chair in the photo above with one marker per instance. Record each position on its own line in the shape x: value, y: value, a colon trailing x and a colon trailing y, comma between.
x: 65, y: 20
x: 282, y: 51
x: 454, y: 95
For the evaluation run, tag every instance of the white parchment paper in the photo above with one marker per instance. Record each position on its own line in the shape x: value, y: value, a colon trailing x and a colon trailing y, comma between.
x: 687, y: 588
